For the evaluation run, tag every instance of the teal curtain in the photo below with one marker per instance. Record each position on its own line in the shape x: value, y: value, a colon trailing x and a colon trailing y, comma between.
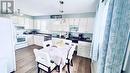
x: 112, y: 50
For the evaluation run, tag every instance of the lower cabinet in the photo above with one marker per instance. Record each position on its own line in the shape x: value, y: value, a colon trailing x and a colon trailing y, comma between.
x: 84, y: 49
x: 38, y: 40
x: 30, y: 40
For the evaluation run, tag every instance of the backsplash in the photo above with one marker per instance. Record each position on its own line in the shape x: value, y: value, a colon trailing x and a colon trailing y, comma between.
x: 74, y: 35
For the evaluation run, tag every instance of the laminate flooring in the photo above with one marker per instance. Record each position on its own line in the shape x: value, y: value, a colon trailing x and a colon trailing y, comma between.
x: 25, y: 62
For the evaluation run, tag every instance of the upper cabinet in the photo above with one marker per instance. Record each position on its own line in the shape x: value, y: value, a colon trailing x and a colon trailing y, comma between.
x: 43, y: 25
x: 86, y: 25
x: 20, y: 21
x: 14, y: 19
x: 37, y: 24
x: 26, y: 22
x: 82, y: 25
x: 54, y: 25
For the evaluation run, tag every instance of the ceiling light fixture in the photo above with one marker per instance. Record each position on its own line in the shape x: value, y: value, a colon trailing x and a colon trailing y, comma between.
x: 61, y: 6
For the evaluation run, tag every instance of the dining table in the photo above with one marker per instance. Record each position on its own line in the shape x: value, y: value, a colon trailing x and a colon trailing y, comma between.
x: 58, y: 54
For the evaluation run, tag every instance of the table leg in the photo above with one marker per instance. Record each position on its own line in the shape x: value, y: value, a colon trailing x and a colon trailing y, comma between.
x: 68, y: 66
x: 58, y: 68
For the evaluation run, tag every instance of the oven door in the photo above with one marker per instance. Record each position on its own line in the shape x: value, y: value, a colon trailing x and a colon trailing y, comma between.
x: 21, y: 40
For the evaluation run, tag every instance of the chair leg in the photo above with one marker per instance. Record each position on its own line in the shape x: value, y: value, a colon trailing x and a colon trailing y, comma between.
x: 49, y: 70
x: 58, y: 68
x: 68, y: 66
x: 38, y: 70
x: 71, y: 62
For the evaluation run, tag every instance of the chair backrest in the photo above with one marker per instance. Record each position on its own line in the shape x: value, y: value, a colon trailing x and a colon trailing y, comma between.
x: 58, y: 42
x: 68, y: 42
x: 47, y: 44
x: 71, y: 51
x: 42, y: 57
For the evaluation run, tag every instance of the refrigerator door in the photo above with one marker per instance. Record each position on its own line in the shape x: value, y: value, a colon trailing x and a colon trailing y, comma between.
x: 7, y: 51
x: 3, y: 66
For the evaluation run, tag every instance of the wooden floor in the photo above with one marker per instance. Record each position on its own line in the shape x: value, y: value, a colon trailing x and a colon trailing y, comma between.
x: 25, y: 62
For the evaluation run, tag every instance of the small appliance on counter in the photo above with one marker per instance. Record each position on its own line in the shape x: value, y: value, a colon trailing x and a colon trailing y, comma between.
x: 47, y: 37
x: 74, y: 36
x: 87, y: 37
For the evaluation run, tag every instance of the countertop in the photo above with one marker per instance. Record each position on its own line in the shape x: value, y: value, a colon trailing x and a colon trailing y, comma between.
x: 84, y: 40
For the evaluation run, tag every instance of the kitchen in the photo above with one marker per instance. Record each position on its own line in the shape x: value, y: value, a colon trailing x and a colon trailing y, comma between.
x: 35, y: 30
x: 64, y: 36
x: 70, y: 27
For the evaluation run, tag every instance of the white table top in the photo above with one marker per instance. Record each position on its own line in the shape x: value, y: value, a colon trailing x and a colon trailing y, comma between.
x: 58, y: 55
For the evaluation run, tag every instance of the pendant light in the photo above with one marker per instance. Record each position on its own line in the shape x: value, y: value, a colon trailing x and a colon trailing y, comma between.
x: 61, y: 6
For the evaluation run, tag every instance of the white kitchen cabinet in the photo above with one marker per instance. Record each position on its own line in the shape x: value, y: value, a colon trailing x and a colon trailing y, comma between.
x: 49, y: 24
x: 44, y: 24
x: 20, y: 21
x: 90, y: 25
x: 84, y: 49
x: 28, y: 23
x: 86, y: 25
x: 30, y: 39
x: 38, y: 40
x: 66, y: 25
x: 58, y: 25
x: 83, y: 25
x: 14, y: 19
x: 37, y: 24
x: 23, y: 21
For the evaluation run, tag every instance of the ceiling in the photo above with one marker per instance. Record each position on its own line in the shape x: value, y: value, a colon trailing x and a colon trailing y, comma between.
x: 50, y: 7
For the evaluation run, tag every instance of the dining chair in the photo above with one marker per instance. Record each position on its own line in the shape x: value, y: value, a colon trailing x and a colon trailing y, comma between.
x: 44, y: 62
x: 47, y: 43
x: 69, y: 60
x: 68, y: 42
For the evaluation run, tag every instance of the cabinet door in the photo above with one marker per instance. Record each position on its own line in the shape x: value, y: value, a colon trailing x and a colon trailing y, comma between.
x: 27, y: 23
x: 35, y: 40
x: 38, y: 40
x: 30, y: 40
x: 43, y: 26
x: 14, y: 19
x: 84, y: 49
x: 49, y: 24
x: 67, y: 25
x: 30, y: 23
x: 90, y: 25
x: 86, y: 25
x: 37, y: 24
x: 21, y: 21
x: 83, y: 25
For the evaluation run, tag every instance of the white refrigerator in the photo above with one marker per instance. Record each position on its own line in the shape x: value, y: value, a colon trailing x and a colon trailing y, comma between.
x: 7, y: 46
